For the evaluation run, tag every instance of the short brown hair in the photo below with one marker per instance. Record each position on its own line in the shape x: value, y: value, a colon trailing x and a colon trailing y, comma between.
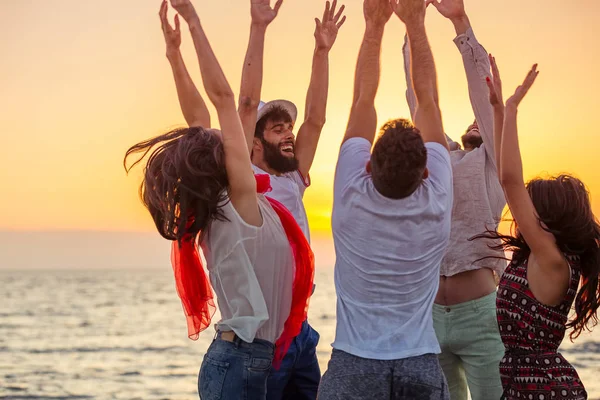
x: 398, y: 160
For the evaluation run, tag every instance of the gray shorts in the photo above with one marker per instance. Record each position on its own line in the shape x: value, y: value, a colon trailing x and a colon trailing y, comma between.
x: 416, y: 378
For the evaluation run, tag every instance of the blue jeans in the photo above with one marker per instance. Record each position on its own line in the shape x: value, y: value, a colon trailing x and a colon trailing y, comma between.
x: 235, y: 370
x: 299, y: 375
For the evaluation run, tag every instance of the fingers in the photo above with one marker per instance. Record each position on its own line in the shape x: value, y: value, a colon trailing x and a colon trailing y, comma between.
x: 166, y: 27
x: 339, y: 24
x: 318, y: 23
x: 332, y: 10
x: 394, y: 4
x: 163, y: 9
x: 339, y: 14
x: 277, y: 6
x: 495, y: 71
x: 531, y: 77
x: 177, y: 24
x: 326, y: 12
x: 490, y: 86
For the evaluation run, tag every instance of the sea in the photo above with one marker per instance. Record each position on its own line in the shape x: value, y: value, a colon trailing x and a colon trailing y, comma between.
x: 121, y: 334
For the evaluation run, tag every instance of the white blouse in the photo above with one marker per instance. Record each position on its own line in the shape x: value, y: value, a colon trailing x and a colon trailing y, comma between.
x: 251, y: 270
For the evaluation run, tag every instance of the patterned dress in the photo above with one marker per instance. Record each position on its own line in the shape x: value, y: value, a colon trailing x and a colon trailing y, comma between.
x: 531, y: 332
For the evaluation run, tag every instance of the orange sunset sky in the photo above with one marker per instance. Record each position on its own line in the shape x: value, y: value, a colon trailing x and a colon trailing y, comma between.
x: 84, y: 80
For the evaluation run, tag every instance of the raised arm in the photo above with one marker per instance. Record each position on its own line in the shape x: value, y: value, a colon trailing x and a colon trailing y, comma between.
x: 316, y: 99
x: 410, y: 92
x: 497, y: 103
x: 363, y: 117
x: 252, y: 73
x: 477, y: 69
x: 242, y: 185
x: 549, y: 271
x: 428, y: 118
x: 192, y: 105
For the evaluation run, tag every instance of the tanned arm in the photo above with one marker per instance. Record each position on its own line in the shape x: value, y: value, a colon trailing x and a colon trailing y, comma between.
x: 428, y: 118
x: 192, y: 105
x: 242, y: 185
x: 548, y: 272
x: 316, y: 99
x: 363, y: 117
x: 252, y: 73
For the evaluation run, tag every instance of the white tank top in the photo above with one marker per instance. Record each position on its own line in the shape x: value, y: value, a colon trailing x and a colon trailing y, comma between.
x: 251, y: 271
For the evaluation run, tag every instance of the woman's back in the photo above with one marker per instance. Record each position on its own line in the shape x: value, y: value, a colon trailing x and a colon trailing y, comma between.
x: 532, y: 333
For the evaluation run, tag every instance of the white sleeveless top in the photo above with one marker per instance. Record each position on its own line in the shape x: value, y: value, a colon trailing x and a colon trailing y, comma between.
x: 251, y: 271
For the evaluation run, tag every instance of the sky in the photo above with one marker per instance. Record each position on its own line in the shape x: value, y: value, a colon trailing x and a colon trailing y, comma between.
x: 81, y: 81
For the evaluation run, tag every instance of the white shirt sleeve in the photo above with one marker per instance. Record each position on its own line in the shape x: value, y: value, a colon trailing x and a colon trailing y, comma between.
x: 439, y: 167
x: 355, y: 153
x: 300, y: 180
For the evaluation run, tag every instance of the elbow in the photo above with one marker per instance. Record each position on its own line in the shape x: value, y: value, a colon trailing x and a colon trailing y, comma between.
x: 248, y: 103
x: 508, y: 179
x: 317, y: 122
x: 221, y: 97
x: 428, y: 104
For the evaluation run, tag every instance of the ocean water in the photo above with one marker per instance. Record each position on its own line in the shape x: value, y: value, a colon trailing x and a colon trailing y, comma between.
x: 108, y: 334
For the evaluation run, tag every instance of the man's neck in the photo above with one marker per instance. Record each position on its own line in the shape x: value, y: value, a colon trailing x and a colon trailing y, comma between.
x: 265, y: 167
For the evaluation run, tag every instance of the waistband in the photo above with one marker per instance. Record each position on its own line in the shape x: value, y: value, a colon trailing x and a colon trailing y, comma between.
x: 231, y: 337
x: 517, y: 352
x: 486, y: 301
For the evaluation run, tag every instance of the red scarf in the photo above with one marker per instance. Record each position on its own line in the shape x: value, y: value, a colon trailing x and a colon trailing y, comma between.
x: 194, y: 289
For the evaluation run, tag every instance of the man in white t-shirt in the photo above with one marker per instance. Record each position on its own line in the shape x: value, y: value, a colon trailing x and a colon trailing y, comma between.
x: 391, y: 225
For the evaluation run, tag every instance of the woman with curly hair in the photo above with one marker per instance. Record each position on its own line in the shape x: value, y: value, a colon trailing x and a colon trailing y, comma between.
x: 555, y: 264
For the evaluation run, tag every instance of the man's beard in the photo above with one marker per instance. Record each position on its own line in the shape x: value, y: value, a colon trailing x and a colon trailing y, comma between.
x: 471, y: 141
x: 277, y: 161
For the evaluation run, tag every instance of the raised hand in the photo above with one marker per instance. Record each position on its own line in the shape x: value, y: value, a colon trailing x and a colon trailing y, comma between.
x: 185, y: 8
x: 262, y: 13
x: 522, y: 90
x: 451, y: 9
x: 409, y: 10
x: 495, y: 84
x: 172, y: 36
x: 326, y: 30
x: 377, y: 12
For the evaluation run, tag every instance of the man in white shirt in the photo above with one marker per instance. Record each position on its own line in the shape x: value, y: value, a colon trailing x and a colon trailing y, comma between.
x: 276, y: 151
x: 391, y: 225
x: 464, y: 313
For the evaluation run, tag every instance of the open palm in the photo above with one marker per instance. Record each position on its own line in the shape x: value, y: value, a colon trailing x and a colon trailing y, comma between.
x: 326, y: 30
x: 449, y: 8
x: 172, y: 36
x: 261, y: 11
x: 522, y: 90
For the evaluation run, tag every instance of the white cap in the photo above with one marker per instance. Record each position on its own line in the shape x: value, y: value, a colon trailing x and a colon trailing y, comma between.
x: 264, y: 108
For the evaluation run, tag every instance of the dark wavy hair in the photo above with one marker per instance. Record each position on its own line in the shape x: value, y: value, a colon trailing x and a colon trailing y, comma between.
x: 398, y: 159
x: 564, y: 209
x: 275, y: 114
x: 185, y: 180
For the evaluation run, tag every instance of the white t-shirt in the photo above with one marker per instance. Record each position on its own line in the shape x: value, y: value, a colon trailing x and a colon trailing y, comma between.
x: 288, y: 189
x: 251, y: 270
x: 388, y: 256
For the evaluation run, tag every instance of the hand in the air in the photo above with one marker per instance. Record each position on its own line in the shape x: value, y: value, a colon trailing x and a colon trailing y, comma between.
x: 327, y: 29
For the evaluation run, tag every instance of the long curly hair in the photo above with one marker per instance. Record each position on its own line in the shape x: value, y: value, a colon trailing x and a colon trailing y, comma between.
x: 564, y: 209
x: 185, y: 180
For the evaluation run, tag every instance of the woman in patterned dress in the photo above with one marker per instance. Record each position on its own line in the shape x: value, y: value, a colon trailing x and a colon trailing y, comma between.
x: 555, y: 249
